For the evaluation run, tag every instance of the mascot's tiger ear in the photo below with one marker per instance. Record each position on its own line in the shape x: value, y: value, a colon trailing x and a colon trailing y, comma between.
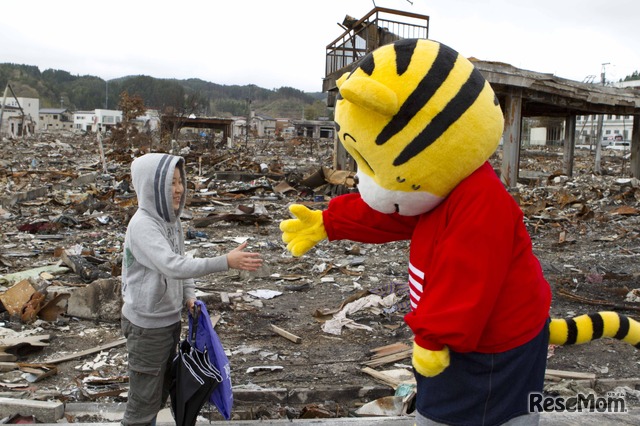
x: 368, y: 94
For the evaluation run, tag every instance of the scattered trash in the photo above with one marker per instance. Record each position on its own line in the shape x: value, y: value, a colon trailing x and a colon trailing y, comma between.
x: 264, y: 294
x: 388, y: 406
x: 264, y: 368
x: 372, y: 302
x: 62, y: 219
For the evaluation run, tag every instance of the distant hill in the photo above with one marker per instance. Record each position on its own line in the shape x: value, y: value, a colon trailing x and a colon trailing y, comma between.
x: 56, y: 88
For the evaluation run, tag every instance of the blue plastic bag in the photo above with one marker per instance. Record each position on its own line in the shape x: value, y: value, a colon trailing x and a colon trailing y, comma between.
x: 207, y: 339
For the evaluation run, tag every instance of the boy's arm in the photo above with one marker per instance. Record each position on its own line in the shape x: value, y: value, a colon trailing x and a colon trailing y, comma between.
x: 151, y: 249
x: 189, y: 290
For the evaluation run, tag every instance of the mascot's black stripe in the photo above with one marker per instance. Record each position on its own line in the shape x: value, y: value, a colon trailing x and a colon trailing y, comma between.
x: 432, y: 81
x: 624, y: 327
x: 598, y: 325
x: 404, y: 52
x: 441, y: 122
x: 572, y: 332
x: 368, y: 64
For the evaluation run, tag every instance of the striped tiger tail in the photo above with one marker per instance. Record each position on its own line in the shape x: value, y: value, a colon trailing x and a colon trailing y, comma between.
x: 588, y: 327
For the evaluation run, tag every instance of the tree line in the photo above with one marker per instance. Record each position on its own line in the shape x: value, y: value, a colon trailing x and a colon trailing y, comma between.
x: 61, y: 89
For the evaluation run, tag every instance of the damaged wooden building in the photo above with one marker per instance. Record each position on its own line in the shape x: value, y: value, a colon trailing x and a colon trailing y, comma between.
x: 522, y: 93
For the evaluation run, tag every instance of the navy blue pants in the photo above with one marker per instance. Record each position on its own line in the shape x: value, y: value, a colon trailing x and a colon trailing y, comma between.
x: 485, y: 389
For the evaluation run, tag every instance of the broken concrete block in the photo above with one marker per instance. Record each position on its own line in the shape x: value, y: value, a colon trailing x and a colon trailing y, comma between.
x: 17, y: 296
x: 100, y: 300
x: 44, y: 411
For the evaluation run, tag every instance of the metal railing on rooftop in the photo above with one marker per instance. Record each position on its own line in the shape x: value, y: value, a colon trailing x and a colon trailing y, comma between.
x: 379, y: 27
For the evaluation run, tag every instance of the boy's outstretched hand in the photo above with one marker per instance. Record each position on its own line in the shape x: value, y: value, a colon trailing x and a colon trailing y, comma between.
x: 245, y: 260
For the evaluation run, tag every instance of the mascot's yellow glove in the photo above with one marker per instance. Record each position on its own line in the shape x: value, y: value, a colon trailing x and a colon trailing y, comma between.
x: 304, y: 232
x: 430, y: 363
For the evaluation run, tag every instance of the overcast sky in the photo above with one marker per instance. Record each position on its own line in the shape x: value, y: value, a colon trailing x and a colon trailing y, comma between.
x: 282, y: 42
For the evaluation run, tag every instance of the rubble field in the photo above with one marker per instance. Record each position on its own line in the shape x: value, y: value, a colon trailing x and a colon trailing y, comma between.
x: 316, y: 336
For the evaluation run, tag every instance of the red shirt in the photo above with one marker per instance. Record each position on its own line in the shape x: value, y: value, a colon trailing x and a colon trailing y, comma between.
x: 475, y: 283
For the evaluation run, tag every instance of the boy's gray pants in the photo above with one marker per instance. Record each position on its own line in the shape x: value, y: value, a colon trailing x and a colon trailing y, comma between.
x: 151, y: 352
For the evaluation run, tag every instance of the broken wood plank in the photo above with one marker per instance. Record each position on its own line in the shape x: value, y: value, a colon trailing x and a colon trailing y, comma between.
x: 214, y: 320
x: 389, y: 349
x: 36, y: 372
x: 5, y: 357
x: 389, y: 358
x: 286, y: 334
x: 8, y: 366
x: 562, y: 374
x: 381, y: 377
x: 21, y: 345
x: 87, y: 352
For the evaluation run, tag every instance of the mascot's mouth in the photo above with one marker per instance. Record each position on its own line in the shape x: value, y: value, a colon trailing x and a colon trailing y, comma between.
x: 362, y: 162
x: 366, y: 163
x: 389, y: 201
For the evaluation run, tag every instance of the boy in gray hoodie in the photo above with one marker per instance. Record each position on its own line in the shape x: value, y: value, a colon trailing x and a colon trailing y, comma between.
x: 157, y: 281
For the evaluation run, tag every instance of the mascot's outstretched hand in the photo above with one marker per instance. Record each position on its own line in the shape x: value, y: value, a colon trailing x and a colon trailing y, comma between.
x: 303, y: 232
x: 429, y: 363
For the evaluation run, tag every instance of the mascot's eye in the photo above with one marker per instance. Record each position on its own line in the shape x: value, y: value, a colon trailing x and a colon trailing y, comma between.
x: 399, y: 179
x: 347, y: 135
x: 415, y: 187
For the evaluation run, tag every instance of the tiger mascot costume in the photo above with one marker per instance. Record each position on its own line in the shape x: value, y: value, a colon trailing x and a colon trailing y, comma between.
x: 421, y: 122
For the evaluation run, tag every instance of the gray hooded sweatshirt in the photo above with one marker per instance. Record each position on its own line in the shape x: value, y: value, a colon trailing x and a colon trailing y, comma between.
x: 157, y: 278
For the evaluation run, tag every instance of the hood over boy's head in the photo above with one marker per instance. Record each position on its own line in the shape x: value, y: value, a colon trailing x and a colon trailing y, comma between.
x: 151, y: 175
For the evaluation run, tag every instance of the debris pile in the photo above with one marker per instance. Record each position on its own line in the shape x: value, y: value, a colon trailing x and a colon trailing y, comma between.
x: 316, y: 336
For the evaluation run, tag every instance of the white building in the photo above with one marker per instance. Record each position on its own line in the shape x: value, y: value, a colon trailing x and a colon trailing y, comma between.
x: 14, y: 122
x: 30, y: 107
x: 613, y: 127
x: 631, y: 83
x: 83, y: 120
x: 99, y: 120
x: 11, y: 122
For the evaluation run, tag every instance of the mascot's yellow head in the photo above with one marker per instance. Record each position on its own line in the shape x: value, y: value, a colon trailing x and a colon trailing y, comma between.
x: 418, y: 118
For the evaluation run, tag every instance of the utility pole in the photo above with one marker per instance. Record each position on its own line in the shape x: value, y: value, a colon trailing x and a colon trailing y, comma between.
x: 597, y: 167
x: 4, y: 100
x: 248, y: 124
